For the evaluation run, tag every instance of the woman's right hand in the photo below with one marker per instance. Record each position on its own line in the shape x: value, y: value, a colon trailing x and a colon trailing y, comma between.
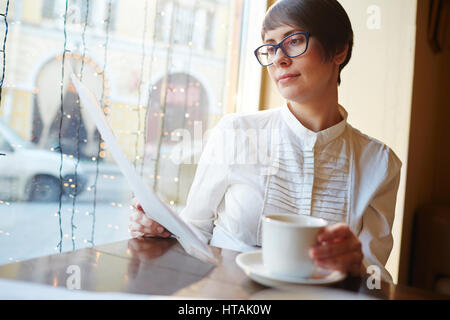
x: 142, y: 226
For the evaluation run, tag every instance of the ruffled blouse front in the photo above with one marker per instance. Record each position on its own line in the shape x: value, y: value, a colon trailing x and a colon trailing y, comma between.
x: 313, y: 172
x: 268, y: 162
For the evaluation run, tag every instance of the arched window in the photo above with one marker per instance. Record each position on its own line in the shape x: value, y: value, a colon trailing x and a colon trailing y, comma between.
x: 47, y: 107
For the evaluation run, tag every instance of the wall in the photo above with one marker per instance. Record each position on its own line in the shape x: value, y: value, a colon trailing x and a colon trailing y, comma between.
x: 376, y: 86
x: 269, y: 94
x: 428, y: 175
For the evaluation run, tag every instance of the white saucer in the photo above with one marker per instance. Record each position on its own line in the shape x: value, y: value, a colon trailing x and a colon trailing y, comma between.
x: 251, y: 263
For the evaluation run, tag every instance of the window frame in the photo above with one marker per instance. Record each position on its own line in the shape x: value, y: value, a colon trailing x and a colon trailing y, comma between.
x: 250, y: 71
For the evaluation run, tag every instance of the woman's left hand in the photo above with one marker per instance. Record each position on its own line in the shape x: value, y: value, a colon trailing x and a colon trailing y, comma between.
x: 338, y: 249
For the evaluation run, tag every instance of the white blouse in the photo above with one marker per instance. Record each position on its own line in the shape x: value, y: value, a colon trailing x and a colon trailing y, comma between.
x: 268, y: 162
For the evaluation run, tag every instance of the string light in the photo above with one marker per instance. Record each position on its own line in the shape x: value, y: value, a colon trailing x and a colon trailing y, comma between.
x: 60, y: 126
x: 143, y: 43
x: 84, y: 59
x: 3, y: 49
x: 186, y: 96
x: 101, y: 153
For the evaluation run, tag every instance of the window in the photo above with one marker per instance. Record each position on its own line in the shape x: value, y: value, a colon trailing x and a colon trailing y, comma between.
x: 194, y: 24
x: 177, y: 73
x: 96, y: 11
x: 53, y: 10
x: 48, y: 9
x: 209, y: 39
x: 163, y: 20
x: 184, y: 24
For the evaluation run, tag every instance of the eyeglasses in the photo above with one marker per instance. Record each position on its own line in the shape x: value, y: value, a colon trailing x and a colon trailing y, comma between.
x: 292, y: 46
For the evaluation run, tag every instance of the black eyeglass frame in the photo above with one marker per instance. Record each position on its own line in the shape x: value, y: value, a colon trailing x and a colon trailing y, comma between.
x: 280, y: 46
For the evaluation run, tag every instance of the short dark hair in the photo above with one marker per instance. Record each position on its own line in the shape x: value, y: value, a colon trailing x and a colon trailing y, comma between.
x: 326, y: 20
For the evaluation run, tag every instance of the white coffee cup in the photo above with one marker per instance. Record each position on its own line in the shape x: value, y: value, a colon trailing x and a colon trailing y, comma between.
x: 286, y: 240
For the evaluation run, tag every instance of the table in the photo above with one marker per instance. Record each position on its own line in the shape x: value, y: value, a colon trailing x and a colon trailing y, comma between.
x: 161, y: 267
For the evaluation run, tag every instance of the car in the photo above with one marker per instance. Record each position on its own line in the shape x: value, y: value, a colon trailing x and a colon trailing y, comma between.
x: 28, y: 173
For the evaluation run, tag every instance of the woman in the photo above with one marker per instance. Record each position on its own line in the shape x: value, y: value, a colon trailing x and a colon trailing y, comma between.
x: 319, y: 164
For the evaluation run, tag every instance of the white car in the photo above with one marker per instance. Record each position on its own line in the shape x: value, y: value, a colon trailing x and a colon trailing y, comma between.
x: 28, y: 173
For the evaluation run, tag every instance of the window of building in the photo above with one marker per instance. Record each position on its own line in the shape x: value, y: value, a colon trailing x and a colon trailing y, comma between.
x: 210, y: 26
x: 52, y: 13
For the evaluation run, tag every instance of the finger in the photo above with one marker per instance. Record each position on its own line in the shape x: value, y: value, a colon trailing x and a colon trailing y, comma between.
x: 135, y: 216
x: 342, y: 262
x: 135, y: 204
x: 162, y: 232
x: 146, y: 221
x: 166, y: 234
x: 356, y: 270
x: 149, y: 231
x: 133, y: 226
x: 339, y: 230
x: 334, y: 249
x: 158, y: 233
x: 136, y: 234
x: 156, y: 228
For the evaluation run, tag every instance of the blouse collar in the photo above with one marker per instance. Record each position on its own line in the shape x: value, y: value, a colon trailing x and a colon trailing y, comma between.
x: 308, y: 138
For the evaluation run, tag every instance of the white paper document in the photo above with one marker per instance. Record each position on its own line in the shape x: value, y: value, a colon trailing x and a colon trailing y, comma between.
x: 152, y: 205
